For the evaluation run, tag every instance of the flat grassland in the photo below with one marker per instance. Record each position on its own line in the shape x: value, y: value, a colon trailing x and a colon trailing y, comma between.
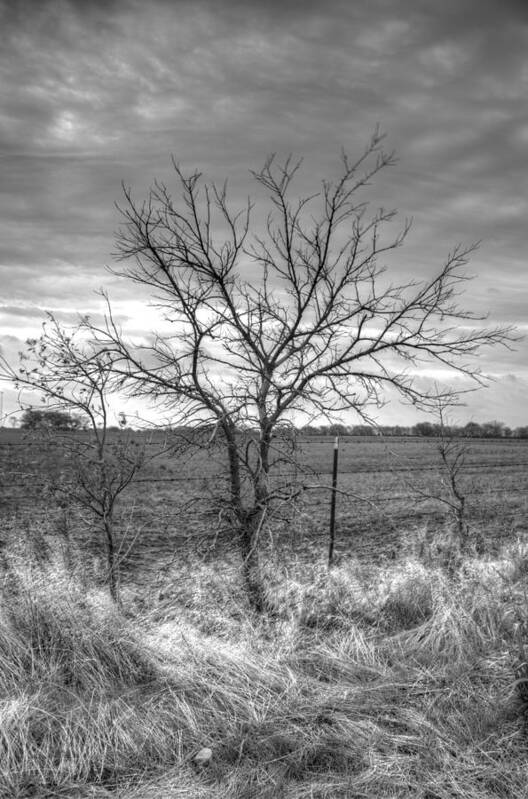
x: 396, y: 674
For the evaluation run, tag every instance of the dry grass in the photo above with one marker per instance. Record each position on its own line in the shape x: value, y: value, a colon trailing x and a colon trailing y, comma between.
x: 368, y: 682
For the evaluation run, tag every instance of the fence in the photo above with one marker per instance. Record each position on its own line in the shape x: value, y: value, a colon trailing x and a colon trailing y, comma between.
x: 384, y: 488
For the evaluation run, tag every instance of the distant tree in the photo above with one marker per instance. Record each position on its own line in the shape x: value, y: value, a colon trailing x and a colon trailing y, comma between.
x: 425, y: 429
x: 399, y: 430
x: 363, y: 430
x: 309, y: 430
x: 338, y: 430
x: 297, y: 319
x: 39, y: 419
x: 493, y: 429
x: 323, y: 430
x: 473, y: 430
x: 521, y: 432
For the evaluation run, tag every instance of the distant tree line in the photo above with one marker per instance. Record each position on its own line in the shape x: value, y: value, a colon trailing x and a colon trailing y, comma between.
x: 44, y: 419
x: 492, y: 429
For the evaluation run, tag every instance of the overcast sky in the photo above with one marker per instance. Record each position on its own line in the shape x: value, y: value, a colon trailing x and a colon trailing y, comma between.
x: 95, y: 93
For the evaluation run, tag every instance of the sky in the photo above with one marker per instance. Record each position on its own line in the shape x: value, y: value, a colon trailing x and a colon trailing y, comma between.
x: 96, y: 93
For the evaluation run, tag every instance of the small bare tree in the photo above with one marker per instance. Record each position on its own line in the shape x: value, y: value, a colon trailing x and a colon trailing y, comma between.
x: 453, y: 451
x: 450, y: 487
x: 73, y: 378
x: 296, y: 318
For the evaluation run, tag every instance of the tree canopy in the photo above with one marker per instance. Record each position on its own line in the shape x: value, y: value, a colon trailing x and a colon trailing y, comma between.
x: 44, y: 419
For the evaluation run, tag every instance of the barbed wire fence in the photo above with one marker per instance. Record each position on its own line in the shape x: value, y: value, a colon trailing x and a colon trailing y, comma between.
x: 165, y: 513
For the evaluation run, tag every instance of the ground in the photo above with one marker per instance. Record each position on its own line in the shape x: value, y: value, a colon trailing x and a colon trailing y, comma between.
x: 399, y: 673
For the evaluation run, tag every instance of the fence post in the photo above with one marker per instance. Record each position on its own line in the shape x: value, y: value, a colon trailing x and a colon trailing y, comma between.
x: 333, y: 503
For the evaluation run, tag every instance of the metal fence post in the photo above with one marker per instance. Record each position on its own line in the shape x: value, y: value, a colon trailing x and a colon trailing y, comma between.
x: 333, y: 503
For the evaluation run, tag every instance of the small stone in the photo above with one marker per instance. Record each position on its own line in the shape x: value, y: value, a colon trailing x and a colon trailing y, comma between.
x: 203, y: 757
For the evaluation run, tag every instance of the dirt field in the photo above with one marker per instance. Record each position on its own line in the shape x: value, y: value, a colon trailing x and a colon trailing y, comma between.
x: 387, y: 500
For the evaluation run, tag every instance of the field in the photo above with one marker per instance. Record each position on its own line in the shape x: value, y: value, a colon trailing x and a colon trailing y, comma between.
x: 396, y: 674
x: 388, y: 493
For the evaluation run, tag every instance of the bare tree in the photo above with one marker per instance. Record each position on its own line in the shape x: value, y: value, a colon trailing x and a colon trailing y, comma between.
x: 295, y: 318
x: 73, y: 377
x: 451, y: 488
x: 453, y: 452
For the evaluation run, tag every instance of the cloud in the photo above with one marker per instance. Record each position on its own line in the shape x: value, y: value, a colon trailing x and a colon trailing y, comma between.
x: 94, y: 93
x: 24, y: 313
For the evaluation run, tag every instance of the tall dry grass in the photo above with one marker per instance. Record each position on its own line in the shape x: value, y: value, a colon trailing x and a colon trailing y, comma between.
x: 392, y: 681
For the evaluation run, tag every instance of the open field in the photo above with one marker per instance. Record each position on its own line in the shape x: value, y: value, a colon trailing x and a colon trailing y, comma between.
x: 389, y: 677
x: 387, y: 489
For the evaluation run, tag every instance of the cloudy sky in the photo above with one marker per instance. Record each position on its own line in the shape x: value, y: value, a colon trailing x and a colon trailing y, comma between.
x: 95, y: 93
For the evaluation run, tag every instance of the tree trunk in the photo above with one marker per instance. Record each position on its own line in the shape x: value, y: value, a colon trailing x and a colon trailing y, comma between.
x: 249, y: 522
x: 249, y: 539
x: 254, y: 522
x: 234, y: 470
x: 113, y: 583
